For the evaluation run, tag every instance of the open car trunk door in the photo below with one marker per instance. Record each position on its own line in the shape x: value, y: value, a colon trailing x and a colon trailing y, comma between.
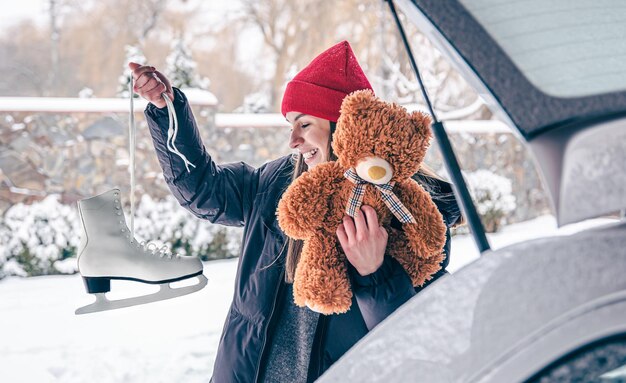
x: 556, y: 72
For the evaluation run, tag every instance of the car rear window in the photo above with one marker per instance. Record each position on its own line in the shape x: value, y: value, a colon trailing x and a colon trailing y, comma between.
x: 565, y: 48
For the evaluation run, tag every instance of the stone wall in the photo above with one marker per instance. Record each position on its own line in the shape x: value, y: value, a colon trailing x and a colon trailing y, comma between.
x: 76, y: 155
x: 80, y: 155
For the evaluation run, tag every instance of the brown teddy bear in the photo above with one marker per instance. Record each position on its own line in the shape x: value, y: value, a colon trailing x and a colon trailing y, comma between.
x: 379, y: 147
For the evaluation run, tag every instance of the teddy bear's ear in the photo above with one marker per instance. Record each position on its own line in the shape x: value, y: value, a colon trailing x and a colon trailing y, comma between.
x: 357, y: 101
x: 421, y: 122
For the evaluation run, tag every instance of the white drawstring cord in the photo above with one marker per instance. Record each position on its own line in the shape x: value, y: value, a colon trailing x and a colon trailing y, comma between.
x: 172, y: 132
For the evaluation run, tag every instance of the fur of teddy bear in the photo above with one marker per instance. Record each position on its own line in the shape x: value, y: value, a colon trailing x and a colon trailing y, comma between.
x: 313, y: 206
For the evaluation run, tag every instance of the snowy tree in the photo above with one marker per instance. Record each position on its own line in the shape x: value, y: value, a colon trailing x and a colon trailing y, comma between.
x: 134, y: 54
x: 86, y: 92
x: 291, y: 33
x: 452, y: 97
x: 181, y: 68
x: 492, y: 195
x: 258, y: 102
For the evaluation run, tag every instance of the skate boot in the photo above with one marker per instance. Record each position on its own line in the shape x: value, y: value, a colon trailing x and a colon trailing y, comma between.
x: 108, y: 251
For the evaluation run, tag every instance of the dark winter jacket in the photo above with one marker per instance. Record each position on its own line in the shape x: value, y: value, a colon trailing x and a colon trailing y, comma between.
x: 238, y: 195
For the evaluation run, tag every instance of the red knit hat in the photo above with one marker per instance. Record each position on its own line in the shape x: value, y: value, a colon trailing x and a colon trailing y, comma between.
x: 321, y: 86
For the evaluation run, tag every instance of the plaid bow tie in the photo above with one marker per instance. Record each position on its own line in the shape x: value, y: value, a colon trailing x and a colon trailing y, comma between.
x: 386, y: 192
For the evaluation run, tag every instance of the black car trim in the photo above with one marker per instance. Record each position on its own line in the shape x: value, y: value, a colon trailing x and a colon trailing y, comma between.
x: 449, y: 158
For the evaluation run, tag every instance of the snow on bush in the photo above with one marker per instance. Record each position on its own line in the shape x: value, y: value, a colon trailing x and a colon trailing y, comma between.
x: 258, y: 102
x: 492, y: 195
x: 37, y: 236
x: 166, y: 223
x: 42, y: 238
x: 85, y: 93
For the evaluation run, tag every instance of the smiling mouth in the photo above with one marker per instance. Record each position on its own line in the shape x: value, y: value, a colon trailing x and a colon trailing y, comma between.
x: 308, y: 155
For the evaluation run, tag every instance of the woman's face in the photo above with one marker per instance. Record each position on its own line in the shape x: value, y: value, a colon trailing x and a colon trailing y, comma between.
x: 310, y: 136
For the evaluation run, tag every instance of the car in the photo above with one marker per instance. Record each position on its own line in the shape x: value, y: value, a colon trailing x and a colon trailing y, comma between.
x: 547, y: 309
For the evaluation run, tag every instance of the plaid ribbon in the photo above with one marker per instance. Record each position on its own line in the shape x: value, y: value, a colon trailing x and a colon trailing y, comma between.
x: 386, y: 192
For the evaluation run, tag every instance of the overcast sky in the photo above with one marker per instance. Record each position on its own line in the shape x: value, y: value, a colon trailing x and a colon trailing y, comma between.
x: 213, y: 11
x: 16, y: 11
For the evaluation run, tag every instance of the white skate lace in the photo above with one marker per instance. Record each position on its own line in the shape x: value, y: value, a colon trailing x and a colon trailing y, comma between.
x: 153, y: 248
x: 172, y: 132
x: 131, y: 164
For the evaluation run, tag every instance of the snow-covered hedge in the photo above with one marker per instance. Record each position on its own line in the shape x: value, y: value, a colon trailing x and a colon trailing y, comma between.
x: 493, y: 197
x: 42, y: 238
x: 166, y: 223
x: 36, y: 236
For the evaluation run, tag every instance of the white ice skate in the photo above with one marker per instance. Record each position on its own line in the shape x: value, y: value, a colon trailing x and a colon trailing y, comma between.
x: 108, y: 251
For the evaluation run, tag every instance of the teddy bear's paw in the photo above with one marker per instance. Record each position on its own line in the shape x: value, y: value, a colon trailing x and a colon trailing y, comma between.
x: 328, y: 309
x: 325, y: 298
x: 334, y: 303
x: 315, y: 307
x: 327, y: 294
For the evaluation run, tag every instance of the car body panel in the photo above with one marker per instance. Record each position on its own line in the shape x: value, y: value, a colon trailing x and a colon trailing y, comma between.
x: 470, y: 325
x: 601, y: 319
x: 584, y: 169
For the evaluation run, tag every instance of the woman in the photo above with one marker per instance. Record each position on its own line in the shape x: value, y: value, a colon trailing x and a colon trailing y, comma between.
x: 266, y: 337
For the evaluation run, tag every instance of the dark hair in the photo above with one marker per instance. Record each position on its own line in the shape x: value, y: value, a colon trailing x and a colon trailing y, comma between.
x: 294, y: 246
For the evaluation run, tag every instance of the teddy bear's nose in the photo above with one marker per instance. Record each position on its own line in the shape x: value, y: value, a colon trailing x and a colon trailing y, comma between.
x: 376, y: 172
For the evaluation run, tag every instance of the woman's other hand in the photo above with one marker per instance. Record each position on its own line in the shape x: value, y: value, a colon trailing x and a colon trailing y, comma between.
x: 150, y: 84
x: 363, y: 240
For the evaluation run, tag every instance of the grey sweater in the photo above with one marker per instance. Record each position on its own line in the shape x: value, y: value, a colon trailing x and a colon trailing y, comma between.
x: 290, y: 348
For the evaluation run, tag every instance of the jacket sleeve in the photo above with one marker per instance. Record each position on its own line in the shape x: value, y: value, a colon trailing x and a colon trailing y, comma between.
x: 379, y: 294
x: 382, y: 292
x: 220, y: 193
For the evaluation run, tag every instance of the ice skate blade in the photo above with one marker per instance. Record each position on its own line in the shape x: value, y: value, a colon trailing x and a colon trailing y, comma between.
x: 165, y: 292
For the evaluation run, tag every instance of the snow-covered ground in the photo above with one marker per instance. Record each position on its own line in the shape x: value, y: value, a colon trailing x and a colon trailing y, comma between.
x: 41, y: 340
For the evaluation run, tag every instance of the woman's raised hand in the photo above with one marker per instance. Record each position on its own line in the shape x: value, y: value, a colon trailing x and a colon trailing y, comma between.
x: 150, y: 84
